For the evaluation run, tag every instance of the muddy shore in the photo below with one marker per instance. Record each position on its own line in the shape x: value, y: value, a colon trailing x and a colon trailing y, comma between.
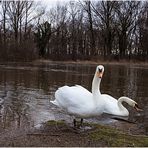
x: 59, y: 134
x: 63, y: 134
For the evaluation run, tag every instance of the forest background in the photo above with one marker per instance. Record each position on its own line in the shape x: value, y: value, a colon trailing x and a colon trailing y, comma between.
x: 74, y: 30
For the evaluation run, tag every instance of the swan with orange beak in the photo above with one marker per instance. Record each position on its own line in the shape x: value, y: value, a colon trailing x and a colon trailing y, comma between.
x: 81, y: 103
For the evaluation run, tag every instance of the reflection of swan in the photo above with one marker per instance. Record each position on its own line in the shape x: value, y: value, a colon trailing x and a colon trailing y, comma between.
x: 1, y: 101
x: 1, y: 106
x: 78, y: 101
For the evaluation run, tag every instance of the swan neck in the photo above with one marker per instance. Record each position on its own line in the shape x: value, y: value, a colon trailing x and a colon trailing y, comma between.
x: 121, y: 107
x: 96, y: 85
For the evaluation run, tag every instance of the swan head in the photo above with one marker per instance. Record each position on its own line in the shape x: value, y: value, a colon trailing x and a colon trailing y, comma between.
x: 131, y: 102
x: 137, y: 107
x: 100, y: 71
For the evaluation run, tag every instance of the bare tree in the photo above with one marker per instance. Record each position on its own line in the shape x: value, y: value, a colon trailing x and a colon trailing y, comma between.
x: 42, y: 37
x: 105, y: 14
x: 143, y: 32
x: 73, y: 14
x: 4, y: 5
x: 125, y: 24
x: 58, y: 43
x: 17, y: 17
x: 88, y: 8
x: 75, y: 30
x: 28, y: 6
x: 14, y: 10
x: 3, y: 28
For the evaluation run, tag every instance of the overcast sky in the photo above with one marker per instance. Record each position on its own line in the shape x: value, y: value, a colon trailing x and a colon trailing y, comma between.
x: 50, y: 3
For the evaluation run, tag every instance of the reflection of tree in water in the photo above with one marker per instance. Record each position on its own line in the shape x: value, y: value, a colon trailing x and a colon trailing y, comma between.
x: 14, y: 110
x: 26, y: 92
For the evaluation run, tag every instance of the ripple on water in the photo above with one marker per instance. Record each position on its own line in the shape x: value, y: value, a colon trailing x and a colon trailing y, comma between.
x: 27, y: 90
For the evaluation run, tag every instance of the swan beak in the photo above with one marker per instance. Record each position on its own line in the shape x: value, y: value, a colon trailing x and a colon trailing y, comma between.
x: 137, y: 108
x: 100, y: 74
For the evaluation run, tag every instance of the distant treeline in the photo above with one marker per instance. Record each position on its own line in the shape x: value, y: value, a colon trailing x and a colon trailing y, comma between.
x: 77, y: 30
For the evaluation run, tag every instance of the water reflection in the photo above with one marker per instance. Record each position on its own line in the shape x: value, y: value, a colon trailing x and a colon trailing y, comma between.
x: 25, y: 90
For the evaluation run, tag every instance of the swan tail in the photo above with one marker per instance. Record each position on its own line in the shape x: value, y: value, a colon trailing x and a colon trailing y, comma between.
x: 55, y: 102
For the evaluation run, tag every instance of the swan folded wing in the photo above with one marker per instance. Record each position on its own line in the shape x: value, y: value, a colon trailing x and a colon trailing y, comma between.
x: 110, y: 105
x: 80, y: 88
x: 73, y: 98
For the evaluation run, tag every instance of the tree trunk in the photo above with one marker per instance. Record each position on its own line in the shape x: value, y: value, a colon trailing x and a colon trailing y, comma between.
x: 93, y: 51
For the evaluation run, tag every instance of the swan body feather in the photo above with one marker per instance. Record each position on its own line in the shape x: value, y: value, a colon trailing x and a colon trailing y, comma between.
x: 112, y: 106
x: 77, y: 101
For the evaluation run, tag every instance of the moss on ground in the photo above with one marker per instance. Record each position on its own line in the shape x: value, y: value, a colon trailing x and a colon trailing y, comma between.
x: 108, y: 136
x: 115, y: 138
x: 53, y: 122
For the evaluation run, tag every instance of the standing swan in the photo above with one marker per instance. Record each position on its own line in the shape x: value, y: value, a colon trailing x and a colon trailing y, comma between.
x: 78, y: 101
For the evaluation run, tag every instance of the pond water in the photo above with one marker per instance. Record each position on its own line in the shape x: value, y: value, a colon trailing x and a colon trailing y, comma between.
x: 26, y: 91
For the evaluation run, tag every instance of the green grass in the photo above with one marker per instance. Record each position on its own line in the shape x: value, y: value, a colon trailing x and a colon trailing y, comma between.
x: 53, y: 122
x: 112, y: 137
x: 108, y: 136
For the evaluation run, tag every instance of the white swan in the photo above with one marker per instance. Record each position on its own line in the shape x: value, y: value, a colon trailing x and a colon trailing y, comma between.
x: 78, y: 101
x: 81, y: 103
x: 115, y: 107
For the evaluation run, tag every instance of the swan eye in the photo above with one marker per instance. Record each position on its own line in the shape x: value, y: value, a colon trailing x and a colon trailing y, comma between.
x: 137, y: 107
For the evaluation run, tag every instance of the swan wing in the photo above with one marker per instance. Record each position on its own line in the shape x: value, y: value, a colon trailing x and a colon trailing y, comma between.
x: 110, y: 104
x: 72, y: 97
x: 80, y: 87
